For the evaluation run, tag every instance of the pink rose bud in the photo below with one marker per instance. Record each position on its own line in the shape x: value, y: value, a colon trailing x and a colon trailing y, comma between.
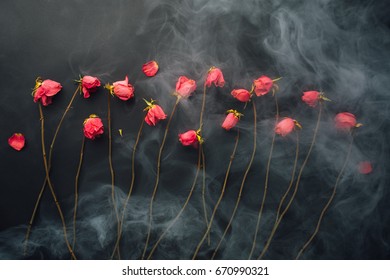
x: 241, y: 94
x: 155, y: 113
x: 121, y: 89
x: 262, y: 85
x: 346, y: 121
x: 45, y: 90
x: 365, y: 167
x: 286, y: 126
x: 185, y: 86
x: 312, y: 97
x: 150, y: 68
x: 89, y: 84
x: 17, y: 141
x: 215, y: 76
x: 231, y: 119
x: 93, y: 127
x: 190, y: 138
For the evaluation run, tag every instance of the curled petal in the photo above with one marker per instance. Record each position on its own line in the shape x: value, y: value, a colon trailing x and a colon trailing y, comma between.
x: 17, y: 141
x: 150, y: 68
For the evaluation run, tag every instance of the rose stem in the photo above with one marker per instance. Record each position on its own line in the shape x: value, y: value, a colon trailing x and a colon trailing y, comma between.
x: 299, y: 176
x: 111, y: 166
x: 49, y: 181
x: 131, y: 186
x: 266, y: 180
x: 328, y: 203
x: 183, y: 207
x: 76, y: 191
x: 158, y: 176
x: 203, y: 162
x: 49, y: 167
x: 207, y: 233
x: 280, y: 216
x: 243, y: 179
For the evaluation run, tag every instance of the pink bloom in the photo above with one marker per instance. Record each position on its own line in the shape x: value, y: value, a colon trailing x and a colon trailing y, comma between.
x: 93, y: 127
x: 89, y: 84
x: 45, y: 90
x: 17, y: 141
x: 150, y: 68
x: 189, y: 138
x: 286, y: 126
x: 215, y: 76
x: 365, y: 167
x: 241, y: 94
x: 154, y: 115
x: 263, y: 85
x: 231, y: 119
x: 185, y: 86
x: 122, y: 89
x: 311, y: 98
x: 345, y: 121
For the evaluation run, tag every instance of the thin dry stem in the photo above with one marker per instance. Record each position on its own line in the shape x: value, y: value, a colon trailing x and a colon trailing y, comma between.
x: 243, y: 179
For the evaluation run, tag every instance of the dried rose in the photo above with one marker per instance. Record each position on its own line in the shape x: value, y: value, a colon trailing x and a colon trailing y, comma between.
x: 286, y: 126
x: 190, y: 138
x: 231, y: 119
x: 155, y: 113
x: 241, y: 94
x: 150, y: 68
x: 93, y: 127
x: 17, y: 141
x: 312, y: 97
x: 346, y: 121
x: 185, y: 86
x: 263, y: 85
x: 45, y: 90
x: 121, y: 89
x: 365, y: 167
x: 89, y: 84
x: 215, y: 76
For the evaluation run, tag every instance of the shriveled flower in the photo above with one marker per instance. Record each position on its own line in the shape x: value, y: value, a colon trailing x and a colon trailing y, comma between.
x: 150, y: 68
x: 231, y: 119
x: 45, y: 90
x: 155, y: 113
x: 365, y: 167
x: 121, y: 89
x: 17, y: 141
x: 215, y: 76
x: 190, y: 138
x: 312, y: 97
x: 241, y: 94
x: 263, y: 85
x: 89, y: 84
x: 93, y: 127
x: 286, y: 126
x: 346, y: 121
x: 185, y: 86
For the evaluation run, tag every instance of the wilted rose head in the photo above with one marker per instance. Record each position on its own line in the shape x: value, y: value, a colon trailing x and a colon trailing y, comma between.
x: 190, y: 138
x: 312, y: 97
x: 346, y: 121
x: 93, y: 127
x: 17, y: 141
x: 121, y: 89
x: 155, y: 113
x: 89, y: 84
x: 365, y: 167
x: 231, y: 119
x: 150, y: 68
x: 185, y: 86
x: 286, y: 126
x: 45, y: 90
x: 262, y: 85
x: 215, y: 76
x: 241, y: 94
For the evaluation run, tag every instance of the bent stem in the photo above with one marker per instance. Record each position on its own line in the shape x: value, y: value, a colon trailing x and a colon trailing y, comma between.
x: 150, y: 217
x: 131, y: 187
x: 111, y: 166
x: 243, y: 180
x: 183, y: 207
x: 50, y: 183
x: 299, y: 174
x: 280, y: 216
x: 207, y: 233
x: 76, y: 191
x: 328, y: 203
x: 31, y: 222
x: 265, y: 183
